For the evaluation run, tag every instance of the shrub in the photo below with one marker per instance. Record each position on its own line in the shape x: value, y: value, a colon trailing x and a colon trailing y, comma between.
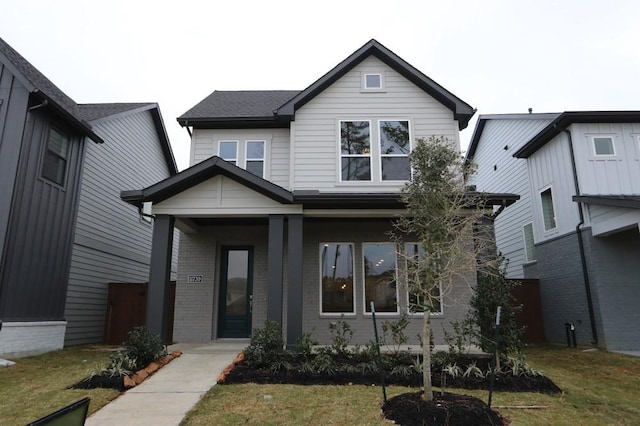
x: 144, y: 347
x: 266, y: 347
x: 119, y: 365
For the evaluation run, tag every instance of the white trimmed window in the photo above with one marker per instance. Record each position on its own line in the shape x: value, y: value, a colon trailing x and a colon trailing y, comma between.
x: 395, y: 146
x: 413, y: 254
x: 548, y: 212
x: 380, y: 276
x: 337, y: 289
x: 228, y: 151
x: 603, y: 146
x: 529, y: 243
x: 56, y: 156
x: 145, y: 212
x: 372, y: 81
x: 355, y: 150
x: 255, y: 158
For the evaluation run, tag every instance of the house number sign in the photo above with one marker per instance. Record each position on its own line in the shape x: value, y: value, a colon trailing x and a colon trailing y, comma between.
x: 194, y: 278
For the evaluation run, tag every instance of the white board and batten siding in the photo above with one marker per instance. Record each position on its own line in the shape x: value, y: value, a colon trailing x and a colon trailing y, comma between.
x: 550, y: 167
x: 204, y: 145
x: 498, y: 171
x: 220, y: 196
x: 111, y: 243
x: 316, y: 156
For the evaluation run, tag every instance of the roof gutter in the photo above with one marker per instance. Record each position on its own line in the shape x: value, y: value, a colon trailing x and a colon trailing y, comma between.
x: 583, y: 260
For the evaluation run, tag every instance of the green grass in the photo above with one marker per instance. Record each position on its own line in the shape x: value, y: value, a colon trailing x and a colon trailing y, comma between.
x: 600, y: 388
x: 37, y: 385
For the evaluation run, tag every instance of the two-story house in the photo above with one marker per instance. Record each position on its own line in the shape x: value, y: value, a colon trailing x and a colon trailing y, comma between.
x: 576, y: 226
x: 286, y: 209
x: 64, y: 232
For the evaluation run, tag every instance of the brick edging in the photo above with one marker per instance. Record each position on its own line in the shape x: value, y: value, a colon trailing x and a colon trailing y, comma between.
x: 141, y: 375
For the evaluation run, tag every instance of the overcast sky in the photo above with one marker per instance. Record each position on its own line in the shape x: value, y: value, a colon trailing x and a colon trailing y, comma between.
x: 498, y: 56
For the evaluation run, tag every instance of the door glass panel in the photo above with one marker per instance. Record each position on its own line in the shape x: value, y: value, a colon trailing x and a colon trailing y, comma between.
x: 237, y: 278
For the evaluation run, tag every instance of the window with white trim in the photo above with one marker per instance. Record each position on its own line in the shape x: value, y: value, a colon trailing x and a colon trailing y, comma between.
x: 548, y: 212
x: 337, y: 290
x: 56, y: 156
x: 603, y: 146
x: 228, y: 151
x: 380, y: 276
x: 355, y: 150
x: 255, y: 158
x: 372, y: 81
x: 395, y: 146
x: 414, y: 252
x: 529, y: 243
x: 146, y: 212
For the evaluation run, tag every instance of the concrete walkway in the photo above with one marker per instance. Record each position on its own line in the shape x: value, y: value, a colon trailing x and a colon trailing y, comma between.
x: 167, y: 396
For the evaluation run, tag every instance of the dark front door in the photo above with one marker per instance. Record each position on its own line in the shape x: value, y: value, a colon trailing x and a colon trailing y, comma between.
x: 236, y: 298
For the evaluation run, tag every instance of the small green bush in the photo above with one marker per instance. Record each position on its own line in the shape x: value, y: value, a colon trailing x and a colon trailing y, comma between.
x: 144, y: 346
x: 266, y: 347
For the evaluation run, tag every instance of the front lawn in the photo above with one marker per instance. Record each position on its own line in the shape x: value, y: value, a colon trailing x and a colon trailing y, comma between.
x: 599, y: 388
x: 37, y: 385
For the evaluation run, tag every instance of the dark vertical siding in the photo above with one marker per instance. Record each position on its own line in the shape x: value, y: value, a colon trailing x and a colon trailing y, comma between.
x: 13, y: 106
x: 36, y: 269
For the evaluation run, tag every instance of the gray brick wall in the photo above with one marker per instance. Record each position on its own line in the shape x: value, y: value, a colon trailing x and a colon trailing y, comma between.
x: 562, y: 289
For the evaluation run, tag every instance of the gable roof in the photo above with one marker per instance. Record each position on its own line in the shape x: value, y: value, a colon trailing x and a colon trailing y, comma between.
x: 107, y: 111
x: 41, y: 87
x: 461, y: 110
x: 565, y: 119
x: 483, y: 119
x: 276, y: 108
x: 194, y: 175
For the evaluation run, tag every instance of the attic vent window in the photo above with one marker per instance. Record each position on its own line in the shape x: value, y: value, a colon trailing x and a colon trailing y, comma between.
x: 373, y: 81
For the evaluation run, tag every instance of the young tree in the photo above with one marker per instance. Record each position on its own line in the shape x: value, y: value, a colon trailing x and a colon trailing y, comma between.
x: 441, y: 215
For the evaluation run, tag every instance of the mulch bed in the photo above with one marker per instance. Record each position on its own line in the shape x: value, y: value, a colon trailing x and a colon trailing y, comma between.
x: 447, y: 409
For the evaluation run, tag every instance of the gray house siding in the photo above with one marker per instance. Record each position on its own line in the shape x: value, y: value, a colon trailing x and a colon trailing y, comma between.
x: 111, y: 243
x: 41, y: 225
x: 14, y: 98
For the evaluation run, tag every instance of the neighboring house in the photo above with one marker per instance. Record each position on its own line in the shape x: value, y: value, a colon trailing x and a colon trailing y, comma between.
x: 112, y: 241
x: 64, y: 232
x: 286, y: 208
x: 577, y: 230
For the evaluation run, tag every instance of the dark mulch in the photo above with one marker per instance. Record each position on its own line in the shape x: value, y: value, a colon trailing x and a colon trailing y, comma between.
x: 242, y: 373
x: 448, y: 409
x: 100, y: 382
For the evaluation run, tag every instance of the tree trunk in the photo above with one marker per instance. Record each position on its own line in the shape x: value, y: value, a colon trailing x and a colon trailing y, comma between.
x: 426, y: 357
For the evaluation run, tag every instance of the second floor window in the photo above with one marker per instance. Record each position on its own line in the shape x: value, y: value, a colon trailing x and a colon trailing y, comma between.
x: 395, y: 147
x: 255, y: 158
x: 54, y: 164
x: 548, y: 213
x: 228, y: 150
x: 355, y: 150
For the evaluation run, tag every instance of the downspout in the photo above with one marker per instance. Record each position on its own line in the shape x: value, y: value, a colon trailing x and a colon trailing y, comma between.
x: 583, y: 260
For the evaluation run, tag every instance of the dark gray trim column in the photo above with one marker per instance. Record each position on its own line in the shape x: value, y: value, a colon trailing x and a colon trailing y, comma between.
x: 294, y: 275
x: 275, y: 259
x: 160, y: 275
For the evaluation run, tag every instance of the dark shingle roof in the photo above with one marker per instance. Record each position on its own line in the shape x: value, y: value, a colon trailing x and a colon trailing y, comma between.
x: 90, y: 112
x: 40, y: 85
x: 238, y: 104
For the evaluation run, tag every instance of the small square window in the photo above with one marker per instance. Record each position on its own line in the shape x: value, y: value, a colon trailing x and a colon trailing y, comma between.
x: 373, y: 81
x: 603, y: 145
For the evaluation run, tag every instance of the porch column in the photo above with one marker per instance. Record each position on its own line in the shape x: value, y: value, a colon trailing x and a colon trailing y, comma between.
x: 159, y: 275
x: 294, y: 289
x: 274, y: 268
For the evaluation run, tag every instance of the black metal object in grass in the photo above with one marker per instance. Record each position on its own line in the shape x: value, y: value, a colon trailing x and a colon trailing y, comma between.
x: 380, y: 367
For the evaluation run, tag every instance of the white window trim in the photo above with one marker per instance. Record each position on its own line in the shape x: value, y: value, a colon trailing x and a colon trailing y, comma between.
x: 524, y: 241
x: 146, y: 213
x: 370, y: 156
x: 365, y: 303
x: 593, y: 145
x: 406, y: 273
x: 380, y: 155
x: 364, y: 86
x: 220, y: 142
x: 353, y: 266
x: 264, y: 155
x: 553, y: 204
